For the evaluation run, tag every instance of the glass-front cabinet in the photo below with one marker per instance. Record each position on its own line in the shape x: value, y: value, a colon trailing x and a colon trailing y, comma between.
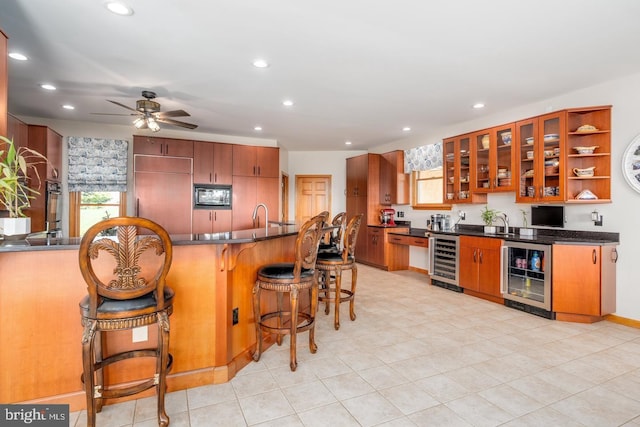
x: 458, y: 174
x: 493, y: 159
x: 540, y: 158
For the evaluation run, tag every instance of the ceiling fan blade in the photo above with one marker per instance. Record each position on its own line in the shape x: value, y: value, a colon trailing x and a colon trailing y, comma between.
x: 122, y: 105
x: 116, y: 114
x: 177, y: 123
x: 174, y: 113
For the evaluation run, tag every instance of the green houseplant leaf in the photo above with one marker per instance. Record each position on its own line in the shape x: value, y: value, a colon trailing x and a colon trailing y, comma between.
x: 19, y: 176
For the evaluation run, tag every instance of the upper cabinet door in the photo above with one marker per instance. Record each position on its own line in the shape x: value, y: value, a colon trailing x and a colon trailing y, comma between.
x: 162, y: 146
x: 202, y: 162
x: 256, y: 161
x: 540, y: 143
x: 222, y: 163
x: 394, y: 183
x: 494, y: 159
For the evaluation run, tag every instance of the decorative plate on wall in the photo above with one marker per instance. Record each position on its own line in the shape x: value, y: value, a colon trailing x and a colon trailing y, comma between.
x: 631, y: 164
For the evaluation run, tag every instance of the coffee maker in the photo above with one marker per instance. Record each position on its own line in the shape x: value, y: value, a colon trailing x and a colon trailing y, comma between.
x: 386, y: 217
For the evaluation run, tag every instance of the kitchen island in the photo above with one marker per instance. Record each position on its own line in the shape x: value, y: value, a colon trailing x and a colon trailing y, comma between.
x: 211, y: 274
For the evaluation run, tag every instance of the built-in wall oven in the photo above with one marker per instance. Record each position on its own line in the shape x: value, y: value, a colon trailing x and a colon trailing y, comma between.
x: 525, y: 282
x: 444, y: 267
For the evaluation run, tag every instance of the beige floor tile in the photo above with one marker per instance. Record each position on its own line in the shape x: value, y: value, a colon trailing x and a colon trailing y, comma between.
x: 409, y: 398
x: 440, y: 416
x: 599, y: 407
x: 371, y: 409
x: 346, y: 386
x: 256, y: 383
x: 264, y: 407
x: 308, y: 396
x: 478, y: 411
x: 223, y: 414
x: 382, y: 377
x: 334, y: 414
x: 211, y: 394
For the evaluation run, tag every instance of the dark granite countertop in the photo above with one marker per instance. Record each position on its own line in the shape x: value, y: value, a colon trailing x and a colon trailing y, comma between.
x: 230, y: 237
x: 542, y: 236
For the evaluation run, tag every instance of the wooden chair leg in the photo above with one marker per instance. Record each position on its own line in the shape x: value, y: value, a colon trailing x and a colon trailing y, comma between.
x: 336, y: 321
x: 327, y: 292
x: 88, y: 341
x: 279, y: 321
x: 256, y: 316
x: 293, y: 295
x: 314, y: 308
x: 161, y: 367
x: 98, y: 342
x: 354, y: 279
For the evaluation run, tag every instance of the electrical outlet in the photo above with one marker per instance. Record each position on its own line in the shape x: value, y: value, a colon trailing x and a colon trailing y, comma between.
x: 400, y: 214
x: 140, y: 334
x: 235, y: 316
x: 462, y: 215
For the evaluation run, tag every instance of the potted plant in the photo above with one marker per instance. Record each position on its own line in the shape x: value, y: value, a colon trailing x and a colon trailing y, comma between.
x: 524, y: 230
x: 488, y: 217
x: 17, y: 169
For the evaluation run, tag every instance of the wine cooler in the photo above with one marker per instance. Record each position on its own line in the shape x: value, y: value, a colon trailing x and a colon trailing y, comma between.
x: 443, y: 263
x: 525, y: 282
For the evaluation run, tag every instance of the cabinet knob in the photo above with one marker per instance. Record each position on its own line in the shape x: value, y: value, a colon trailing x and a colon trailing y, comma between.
x: 594, y: 256
x: 614, y: 255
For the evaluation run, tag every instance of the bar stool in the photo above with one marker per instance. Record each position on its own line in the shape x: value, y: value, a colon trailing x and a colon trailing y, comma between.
x: 329, y: 262
x: 335, y: 234
x: 290, y: 278
x: 124, y: 294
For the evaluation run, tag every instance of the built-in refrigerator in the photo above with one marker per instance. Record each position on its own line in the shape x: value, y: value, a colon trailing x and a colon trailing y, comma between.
x: 525, y: 281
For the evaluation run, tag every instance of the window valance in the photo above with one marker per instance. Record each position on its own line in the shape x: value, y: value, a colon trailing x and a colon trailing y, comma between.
x: 97, y: 164
x: 423, y: 158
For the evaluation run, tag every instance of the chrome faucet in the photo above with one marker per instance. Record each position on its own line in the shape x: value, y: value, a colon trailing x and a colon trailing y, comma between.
x: 505, y: 220
x: 266, y: 216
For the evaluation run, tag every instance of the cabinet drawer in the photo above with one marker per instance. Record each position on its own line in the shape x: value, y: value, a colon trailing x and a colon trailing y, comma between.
x: 409, y: 240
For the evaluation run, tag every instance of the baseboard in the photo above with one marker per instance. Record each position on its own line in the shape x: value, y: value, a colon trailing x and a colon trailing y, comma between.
x: 419, y: 270
x: 622, y: 321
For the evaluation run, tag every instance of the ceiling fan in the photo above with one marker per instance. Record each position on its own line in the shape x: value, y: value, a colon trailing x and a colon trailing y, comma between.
x: 149, y: 114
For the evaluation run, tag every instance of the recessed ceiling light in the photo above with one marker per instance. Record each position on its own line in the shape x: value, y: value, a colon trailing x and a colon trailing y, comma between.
x: 406, y: 129
x: 260, y: 63
x: 258, y: 128
x: 68, y: 107
x: 18, y: 56
x: 478, y: 105
x: 47, y: 86
x: 287, y: 103
x: 119, y: 8
x: 347, y: 143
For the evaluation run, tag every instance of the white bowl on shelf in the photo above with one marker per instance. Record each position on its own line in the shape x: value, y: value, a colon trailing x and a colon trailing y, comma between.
x: 585, y: 150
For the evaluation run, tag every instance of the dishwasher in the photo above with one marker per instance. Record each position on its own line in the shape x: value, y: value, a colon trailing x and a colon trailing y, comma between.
x: 444, y: 267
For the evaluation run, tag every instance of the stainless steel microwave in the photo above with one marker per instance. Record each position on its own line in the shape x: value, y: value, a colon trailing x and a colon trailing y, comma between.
x: 211, y: 196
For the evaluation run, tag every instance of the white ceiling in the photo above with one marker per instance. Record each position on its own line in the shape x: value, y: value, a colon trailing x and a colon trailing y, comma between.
x: 357, y: 70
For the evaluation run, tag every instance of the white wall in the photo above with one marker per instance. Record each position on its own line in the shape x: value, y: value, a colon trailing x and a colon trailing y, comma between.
x: 321, y: 163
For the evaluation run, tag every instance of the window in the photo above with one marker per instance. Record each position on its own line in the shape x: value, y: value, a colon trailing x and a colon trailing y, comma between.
x: 428, y: 189
x: 90, y: 207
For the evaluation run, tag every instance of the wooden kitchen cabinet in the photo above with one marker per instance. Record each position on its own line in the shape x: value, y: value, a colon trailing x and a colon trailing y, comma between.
x: 256, y: 161
x: 47, y: 142
x: 18, y: 131
x: 493, y: 159
x: 379, y: 252
x: 211, y: 221
x: 394, y: 183
x: 540, y: 153
x: 4, y: 84
x: 458, y: 171
x: 480, y: 267
x: 247, y: 193
x: 600, y: 183
x: 162, y: 146
x: 408, y: 240
x: 590, y: 295
x: 212, y: 163
x: 363, y: 175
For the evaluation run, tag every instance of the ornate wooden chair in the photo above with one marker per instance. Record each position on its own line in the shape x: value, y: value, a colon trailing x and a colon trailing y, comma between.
x: 290, y: 278
x: 335, y: 235
x: 126, y: 290
x: 331, y: 263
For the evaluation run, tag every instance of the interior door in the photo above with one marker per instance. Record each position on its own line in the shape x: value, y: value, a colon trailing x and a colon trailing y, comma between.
x: 313, y: 195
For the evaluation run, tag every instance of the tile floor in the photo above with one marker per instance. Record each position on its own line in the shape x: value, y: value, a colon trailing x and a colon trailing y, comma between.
x: 419, y: 355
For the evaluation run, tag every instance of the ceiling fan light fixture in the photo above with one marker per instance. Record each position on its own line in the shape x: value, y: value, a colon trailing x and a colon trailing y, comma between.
x: 153, y: 125
x: 139, y: 123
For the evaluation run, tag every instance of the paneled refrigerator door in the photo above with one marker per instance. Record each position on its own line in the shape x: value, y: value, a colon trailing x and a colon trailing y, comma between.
x: 526, y: 277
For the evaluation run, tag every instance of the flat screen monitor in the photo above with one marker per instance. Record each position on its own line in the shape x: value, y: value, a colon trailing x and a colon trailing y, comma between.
x: 547, y: 216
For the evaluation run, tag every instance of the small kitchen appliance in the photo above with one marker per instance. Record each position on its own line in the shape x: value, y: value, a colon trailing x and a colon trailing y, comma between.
x: 386, y: 217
